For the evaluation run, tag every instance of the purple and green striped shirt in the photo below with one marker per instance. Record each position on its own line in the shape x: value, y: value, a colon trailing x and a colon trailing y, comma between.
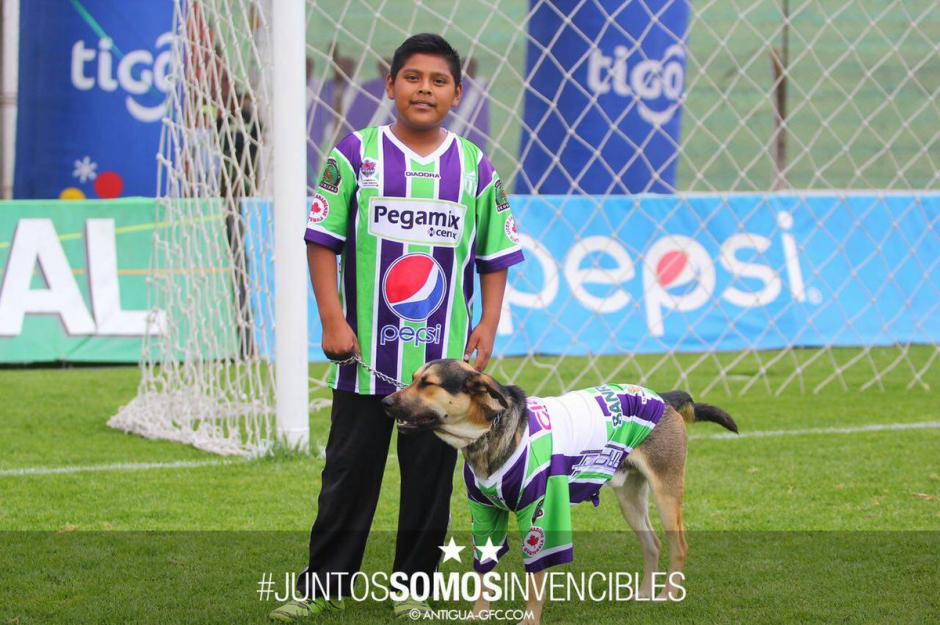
x: 571, y: 448
x: 410, y: 230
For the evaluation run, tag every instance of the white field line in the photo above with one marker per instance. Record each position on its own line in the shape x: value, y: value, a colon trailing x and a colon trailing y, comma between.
x: 150, y: 466
x: 886, y: 427
x: 120, y: 467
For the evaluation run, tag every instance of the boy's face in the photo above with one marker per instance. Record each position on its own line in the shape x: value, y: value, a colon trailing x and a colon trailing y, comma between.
x: 423, y: 91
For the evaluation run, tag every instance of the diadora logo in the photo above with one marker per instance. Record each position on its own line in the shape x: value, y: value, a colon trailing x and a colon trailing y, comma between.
x: 432, y: 222
x: 140, y: 73
x: 413, y: 288
x: 422, y: 174
x: 655, y: 83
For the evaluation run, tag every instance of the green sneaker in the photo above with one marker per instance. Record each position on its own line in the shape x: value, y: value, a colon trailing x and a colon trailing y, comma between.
x: 294, y: 611
x: 411, y: 609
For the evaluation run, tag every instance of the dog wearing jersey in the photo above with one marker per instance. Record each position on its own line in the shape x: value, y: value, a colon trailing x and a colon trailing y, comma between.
x: 533, y: 458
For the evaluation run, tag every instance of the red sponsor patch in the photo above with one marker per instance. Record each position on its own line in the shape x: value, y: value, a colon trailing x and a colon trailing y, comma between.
x: 319, y: 209
x: 534, y: 541
x: 511, y: 231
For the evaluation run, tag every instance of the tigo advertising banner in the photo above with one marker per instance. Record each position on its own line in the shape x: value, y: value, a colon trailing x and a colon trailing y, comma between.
x: 604, y: 102
x: 93, y: 81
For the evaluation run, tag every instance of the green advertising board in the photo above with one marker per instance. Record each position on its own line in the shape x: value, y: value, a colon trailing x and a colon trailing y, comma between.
x: 74, y: 280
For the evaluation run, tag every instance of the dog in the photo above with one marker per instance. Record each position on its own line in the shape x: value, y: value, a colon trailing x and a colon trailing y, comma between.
x: 534, y: 457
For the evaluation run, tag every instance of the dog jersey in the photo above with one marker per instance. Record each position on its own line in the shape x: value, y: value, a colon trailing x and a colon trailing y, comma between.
x: 572, y: 447
x: 410, y: 230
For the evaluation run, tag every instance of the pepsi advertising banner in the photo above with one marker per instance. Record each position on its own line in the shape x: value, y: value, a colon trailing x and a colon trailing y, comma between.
x: 695, y: 273
x: 93, y: 79
x: 698, y: 273
x: 611, y: 126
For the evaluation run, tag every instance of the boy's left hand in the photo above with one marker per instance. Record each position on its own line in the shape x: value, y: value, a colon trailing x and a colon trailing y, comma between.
x: 481, y: 340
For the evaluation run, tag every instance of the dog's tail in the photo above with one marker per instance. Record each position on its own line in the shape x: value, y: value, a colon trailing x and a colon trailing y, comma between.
x: 692, y: 412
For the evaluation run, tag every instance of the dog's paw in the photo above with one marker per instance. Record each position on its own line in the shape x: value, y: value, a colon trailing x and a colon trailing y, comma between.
x: 670, y: 594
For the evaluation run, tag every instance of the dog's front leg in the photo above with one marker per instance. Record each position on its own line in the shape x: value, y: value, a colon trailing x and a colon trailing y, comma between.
x: 481, y: 605
x: 535, y: 589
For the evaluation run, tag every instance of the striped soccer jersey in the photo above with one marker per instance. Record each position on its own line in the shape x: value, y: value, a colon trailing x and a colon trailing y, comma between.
x: 572, y: 447
x: 410, y: 230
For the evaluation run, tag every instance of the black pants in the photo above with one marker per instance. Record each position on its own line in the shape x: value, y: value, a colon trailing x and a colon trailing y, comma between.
x: 356, y: 452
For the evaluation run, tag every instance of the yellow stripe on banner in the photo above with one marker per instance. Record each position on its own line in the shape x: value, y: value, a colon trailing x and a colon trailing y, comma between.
x: 75, y: 236
x: 159, y: 272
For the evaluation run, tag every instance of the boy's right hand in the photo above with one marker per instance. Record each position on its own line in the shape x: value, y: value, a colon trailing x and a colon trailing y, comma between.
x: 339, y: 340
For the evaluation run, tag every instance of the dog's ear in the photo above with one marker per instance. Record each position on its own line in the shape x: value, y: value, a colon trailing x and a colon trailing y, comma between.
x: 487, y: 393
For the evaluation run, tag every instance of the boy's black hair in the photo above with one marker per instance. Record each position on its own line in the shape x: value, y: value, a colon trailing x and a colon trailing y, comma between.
x: 426, y: 43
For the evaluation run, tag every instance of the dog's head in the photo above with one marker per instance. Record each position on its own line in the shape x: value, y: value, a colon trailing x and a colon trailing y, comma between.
x: 450, y: 397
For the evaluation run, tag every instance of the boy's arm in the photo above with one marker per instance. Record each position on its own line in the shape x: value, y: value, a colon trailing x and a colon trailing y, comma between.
x: 339, y: 340
x: 327, y: 227
x: 493, y: 286
x: 497, y: 249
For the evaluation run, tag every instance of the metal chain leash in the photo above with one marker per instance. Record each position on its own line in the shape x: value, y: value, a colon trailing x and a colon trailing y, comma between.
x: 354, y: 358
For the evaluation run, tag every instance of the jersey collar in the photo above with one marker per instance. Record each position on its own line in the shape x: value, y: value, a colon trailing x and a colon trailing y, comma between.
x: 497, y: 475
x: 411, y: 154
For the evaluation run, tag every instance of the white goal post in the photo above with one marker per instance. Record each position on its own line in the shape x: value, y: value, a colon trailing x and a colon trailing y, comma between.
x: 720, y: 196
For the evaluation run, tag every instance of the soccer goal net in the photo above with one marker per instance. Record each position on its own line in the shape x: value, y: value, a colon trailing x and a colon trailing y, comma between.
x: 723, y: 196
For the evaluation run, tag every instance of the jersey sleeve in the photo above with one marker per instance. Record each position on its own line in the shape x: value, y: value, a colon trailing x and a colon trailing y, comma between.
x: 497, y: 243
x: 488, y: 523
x: 489, y: 527
x: 328, y: 219
x: 545, y: 527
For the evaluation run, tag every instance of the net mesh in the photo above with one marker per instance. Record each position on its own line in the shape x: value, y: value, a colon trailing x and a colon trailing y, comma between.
x: 785, y: 101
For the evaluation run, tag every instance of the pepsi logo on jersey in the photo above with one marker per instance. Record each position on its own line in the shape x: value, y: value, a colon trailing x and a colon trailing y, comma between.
x: 413, y: 288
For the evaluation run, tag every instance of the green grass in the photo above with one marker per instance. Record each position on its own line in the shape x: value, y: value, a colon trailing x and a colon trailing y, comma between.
x: 788, y: 529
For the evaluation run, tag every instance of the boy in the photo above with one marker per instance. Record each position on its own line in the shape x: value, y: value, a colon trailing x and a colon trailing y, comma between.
x: 411, y: 208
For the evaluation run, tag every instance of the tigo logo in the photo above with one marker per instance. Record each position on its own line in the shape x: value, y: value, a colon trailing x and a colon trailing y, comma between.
x: 656, y: 84
x: 138, y: 73
x: 414, y: 287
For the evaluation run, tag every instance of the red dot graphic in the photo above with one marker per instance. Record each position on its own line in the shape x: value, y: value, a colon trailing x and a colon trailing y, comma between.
x: 670, y: 266
x: 109, y: 185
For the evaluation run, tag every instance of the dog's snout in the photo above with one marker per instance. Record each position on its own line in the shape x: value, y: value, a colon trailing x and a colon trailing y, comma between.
x: 388, y: 401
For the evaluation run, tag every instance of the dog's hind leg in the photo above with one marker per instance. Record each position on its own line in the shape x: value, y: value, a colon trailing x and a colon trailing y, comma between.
x: 633, y: 497
x: 667, y: 492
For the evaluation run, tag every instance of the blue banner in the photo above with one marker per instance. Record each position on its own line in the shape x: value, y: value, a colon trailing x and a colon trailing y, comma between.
x: 695, y: 273
x: 602, y: 111
x: 93, y: 78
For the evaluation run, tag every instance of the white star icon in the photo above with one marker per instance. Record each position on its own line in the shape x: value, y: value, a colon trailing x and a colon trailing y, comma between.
x: 451, y: 551
x: 489, y: 551
x: 85, y: 169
